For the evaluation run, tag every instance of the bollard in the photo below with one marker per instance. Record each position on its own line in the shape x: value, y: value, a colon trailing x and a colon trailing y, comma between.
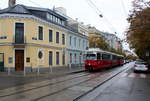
x: 51, y: 69
x: 70, y: 66
x: 24, y: 72
x: 80, y: 65
x: 38, y: 71
x: 8, y: 70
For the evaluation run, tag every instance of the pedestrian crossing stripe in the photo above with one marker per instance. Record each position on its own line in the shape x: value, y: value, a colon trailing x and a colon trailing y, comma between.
x: 135, y: 75
x: 124, y: 74
x: 132, y: 75
x: 143, y: 75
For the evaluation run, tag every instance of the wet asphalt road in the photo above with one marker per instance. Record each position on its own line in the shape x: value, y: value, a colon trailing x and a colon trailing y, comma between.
x: 65, y: 88
x: 127, y: 86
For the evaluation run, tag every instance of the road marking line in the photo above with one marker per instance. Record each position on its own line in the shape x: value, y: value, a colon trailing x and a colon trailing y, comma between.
x: 142, y: 75
x: 124, y: 75
x: 132, y: 75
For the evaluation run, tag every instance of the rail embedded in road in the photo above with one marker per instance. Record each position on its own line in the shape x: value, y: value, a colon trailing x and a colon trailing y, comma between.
x: 69, y: 84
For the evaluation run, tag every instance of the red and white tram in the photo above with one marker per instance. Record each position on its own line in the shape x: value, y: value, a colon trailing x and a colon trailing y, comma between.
x: 99, y: 59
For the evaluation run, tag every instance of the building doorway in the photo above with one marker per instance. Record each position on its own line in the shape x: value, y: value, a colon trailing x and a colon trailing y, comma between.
x: 1, y: 61
x: 19, y: 60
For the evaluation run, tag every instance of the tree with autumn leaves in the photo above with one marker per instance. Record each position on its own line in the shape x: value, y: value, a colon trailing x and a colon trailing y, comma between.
x: 97, y: 41
x: 138, y: 33
x: 131, y: 57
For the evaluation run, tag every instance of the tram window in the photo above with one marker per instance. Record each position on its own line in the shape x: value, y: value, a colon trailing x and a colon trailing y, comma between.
x: 105, y: 56
x: 98, y: 56
x: 115, y: 57
x: 120, y: 58
x: 91, y: 56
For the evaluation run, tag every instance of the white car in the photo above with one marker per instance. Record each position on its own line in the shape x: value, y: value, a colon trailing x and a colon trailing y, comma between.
x: 140, y: 66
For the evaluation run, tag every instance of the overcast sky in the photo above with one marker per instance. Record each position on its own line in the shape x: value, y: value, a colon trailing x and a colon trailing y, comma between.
x: 115, y: 12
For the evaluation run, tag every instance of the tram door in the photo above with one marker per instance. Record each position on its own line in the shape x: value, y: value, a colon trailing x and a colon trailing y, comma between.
x: 1, y: 62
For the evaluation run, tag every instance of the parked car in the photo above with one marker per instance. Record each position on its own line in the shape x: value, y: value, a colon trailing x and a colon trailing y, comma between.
x: 140, y: 66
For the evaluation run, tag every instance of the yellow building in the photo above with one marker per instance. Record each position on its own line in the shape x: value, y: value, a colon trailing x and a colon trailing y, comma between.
x: 30, y: 38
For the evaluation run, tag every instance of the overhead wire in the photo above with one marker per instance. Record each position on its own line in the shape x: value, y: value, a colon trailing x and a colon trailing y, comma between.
x: 125, y: 13
x: 91, y: 4
x: 39, y: 4
x: 100, y: 14
x: 124, y: 8
x: 35, y: 3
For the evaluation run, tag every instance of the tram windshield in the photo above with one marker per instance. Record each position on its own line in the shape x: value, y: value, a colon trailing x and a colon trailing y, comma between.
x: 91, y: 57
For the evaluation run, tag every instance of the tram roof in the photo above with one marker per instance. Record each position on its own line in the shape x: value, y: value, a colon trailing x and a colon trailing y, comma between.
x: 102, y: 51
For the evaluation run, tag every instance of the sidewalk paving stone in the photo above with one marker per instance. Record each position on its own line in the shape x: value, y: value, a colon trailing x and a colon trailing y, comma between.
x: 18, y: 78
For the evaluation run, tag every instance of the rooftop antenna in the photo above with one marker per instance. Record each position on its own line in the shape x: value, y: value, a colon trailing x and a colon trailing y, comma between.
x: 54, y: 8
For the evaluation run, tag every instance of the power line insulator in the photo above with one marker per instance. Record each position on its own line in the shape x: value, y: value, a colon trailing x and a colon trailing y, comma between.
x: 101, y: 15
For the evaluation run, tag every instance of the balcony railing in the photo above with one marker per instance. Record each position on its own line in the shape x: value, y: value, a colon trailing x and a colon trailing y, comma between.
x: 19, y: 39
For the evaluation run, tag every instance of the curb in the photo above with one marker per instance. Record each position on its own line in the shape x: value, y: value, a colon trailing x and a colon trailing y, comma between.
x: 78, y: 71
x: 109, y: 78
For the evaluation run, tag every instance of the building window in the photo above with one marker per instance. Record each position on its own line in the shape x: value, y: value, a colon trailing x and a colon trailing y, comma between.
x: 50, y: 58
x: 40, y: 54
x: 59, y: 21
x: 80, y: 59
x: 86, y: 45
x: 49, y: 17
x: 70, y: 57
x: 83, y: 44
x: 75, y: 41
x: 70, y: 40
x: 79, y: 43
x: 57, y: 37
x: 50, y: 36
x: 57, y: 58
x: 75, y: 56
x: 54, y: 18
x: 63, y: 39
x: 63, y: 58
x: 40, y: 33
x: 63, y: 22
x: 19, y: 32
x: 3, y: 37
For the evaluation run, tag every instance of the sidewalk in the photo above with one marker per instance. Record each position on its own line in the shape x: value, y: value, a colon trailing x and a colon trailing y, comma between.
x: 19, y: 78
x: 127, y: 88
x: 50, y: 71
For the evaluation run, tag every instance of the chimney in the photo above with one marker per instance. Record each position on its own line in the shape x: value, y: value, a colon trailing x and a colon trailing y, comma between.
x: 11, y: 3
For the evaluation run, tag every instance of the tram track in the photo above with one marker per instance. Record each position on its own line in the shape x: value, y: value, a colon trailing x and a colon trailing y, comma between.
x: 102, y: 83
x: 38, y: 88
x: 78, y: 79
x: 61, y: 90
x: 76, y: 99
x: 81, y: 83
x: 32, y: 88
